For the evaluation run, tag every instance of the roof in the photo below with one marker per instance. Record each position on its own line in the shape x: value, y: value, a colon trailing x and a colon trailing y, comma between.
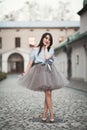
x: 71, y: 39
x: 83, y: 10
x: 84, y: 2
x: 39, y: 24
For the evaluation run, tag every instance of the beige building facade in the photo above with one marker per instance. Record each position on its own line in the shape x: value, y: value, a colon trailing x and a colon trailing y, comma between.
x: 15, y: 38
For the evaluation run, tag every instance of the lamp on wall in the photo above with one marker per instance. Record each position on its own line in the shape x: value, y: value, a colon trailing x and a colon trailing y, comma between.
x: 85, y: 46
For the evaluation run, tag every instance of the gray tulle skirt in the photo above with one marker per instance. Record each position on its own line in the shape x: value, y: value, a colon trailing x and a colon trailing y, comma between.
x: 41, y: 78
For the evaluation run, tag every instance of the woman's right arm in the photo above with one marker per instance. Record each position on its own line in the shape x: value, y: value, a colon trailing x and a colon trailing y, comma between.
x: 31, y: 60
x: 28, y: 67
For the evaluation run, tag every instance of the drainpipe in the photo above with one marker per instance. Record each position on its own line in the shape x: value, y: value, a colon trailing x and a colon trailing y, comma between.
x: 68, y: 51
x: 85, y: 70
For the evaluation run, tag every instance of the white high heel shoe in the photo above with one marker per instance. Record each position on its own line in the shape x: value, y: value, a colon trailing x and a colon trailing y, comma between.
x: 44, y: 119
x: 51, y: 120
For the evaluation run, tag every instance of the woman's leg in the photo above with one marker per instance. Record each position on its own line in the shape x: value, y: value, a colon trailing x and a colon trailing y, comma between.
x: 48, y: 95
x: 45, y: 109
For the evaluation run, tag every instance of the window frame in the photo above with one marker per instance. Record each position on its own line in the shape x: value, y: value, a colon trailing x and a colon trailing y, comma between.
x: 17, y: 42
x: 0, y: 42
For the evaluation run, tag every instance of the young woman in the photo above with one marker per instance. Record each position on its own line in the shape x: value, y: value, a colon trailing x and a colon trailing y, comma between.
x: 43, y: 76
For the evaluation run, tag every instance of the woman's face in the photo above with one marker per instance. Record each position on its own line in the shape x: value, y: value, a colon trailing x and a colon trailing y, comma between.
x: 46, y: 40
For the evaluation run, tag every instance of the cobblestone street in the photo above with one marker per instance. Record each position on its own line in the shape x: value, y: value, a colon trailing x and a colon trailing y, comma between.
x: 21, y: 109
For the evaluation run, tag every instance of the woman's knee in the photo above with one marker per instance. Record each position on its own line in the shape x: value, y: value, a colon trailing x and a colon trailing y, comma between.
x: 48, y: 93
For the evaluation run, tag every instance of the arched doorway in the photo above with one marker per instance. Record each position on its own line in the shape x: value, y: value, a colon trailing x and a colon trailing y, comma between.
x: 15, y: 63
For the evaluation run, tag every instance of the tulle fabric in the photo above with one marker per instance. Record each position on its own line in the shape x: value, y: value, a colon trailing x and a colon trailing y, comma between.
x: 41, y: 78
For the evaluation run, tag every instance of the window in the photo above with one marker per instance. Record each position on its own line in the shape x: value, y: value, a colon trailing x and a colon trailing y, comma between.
x: 17, y: 42
x: 31, y: 30
x: 76, y: 29
x: 17, y: 30
x: 0, y: 42
x: 47, y: 30
x: 61, y: 29
x: 0, y: 62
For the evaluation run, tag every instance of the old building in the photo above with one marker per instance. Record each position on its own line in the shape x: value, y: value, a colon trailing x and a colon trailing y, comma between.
x: 15, y: 38
x: 72, y: 53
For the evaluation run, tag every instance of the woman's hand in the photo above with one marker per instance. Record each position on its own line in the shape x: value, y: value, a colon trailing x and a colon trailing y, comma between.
x: 23, y: 74
x: 46, y: 46
x: 28, y: 68
x: 47, y: 55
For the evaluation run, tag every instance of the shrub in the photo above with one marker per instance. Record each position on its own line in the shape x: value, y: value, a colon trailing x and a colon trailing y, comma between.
x: 3, y: 75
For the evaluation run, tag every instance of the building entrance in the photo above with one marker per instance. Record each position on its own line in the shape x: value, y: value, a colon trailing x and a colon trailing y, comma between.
x: 15, y: 63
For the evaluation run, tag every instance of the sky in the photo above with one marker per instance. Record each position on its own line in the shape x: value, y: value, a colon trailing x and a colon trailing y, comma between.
x: 8, y: 5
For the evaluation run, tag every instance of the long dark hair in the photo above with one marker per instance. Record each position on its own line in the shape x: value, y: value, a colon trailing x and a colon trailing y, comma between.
x: 41, y: 42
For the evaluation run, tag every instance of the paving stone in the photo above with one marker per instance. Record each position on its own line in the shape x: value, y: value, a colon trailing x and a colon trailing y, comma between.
x: 21, y: 109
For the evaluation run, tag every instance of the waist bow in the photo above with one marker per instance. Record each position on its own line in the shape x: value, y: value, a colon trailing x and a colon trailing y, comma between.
x: 49, y: 62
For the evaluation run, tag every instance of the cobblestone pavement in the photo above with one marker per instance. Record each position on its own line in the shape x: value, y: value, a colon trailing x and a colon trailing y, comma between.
x: 21, y: 109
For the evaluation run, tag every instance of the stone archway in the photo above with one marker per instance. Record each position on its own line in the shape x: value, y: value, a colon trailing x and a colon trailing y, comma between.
x: 15, y: 63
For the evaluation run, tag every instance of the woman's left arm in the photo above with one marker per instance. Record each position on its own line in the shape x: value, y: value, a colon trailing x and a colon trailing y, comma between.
x: 48, y: 54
